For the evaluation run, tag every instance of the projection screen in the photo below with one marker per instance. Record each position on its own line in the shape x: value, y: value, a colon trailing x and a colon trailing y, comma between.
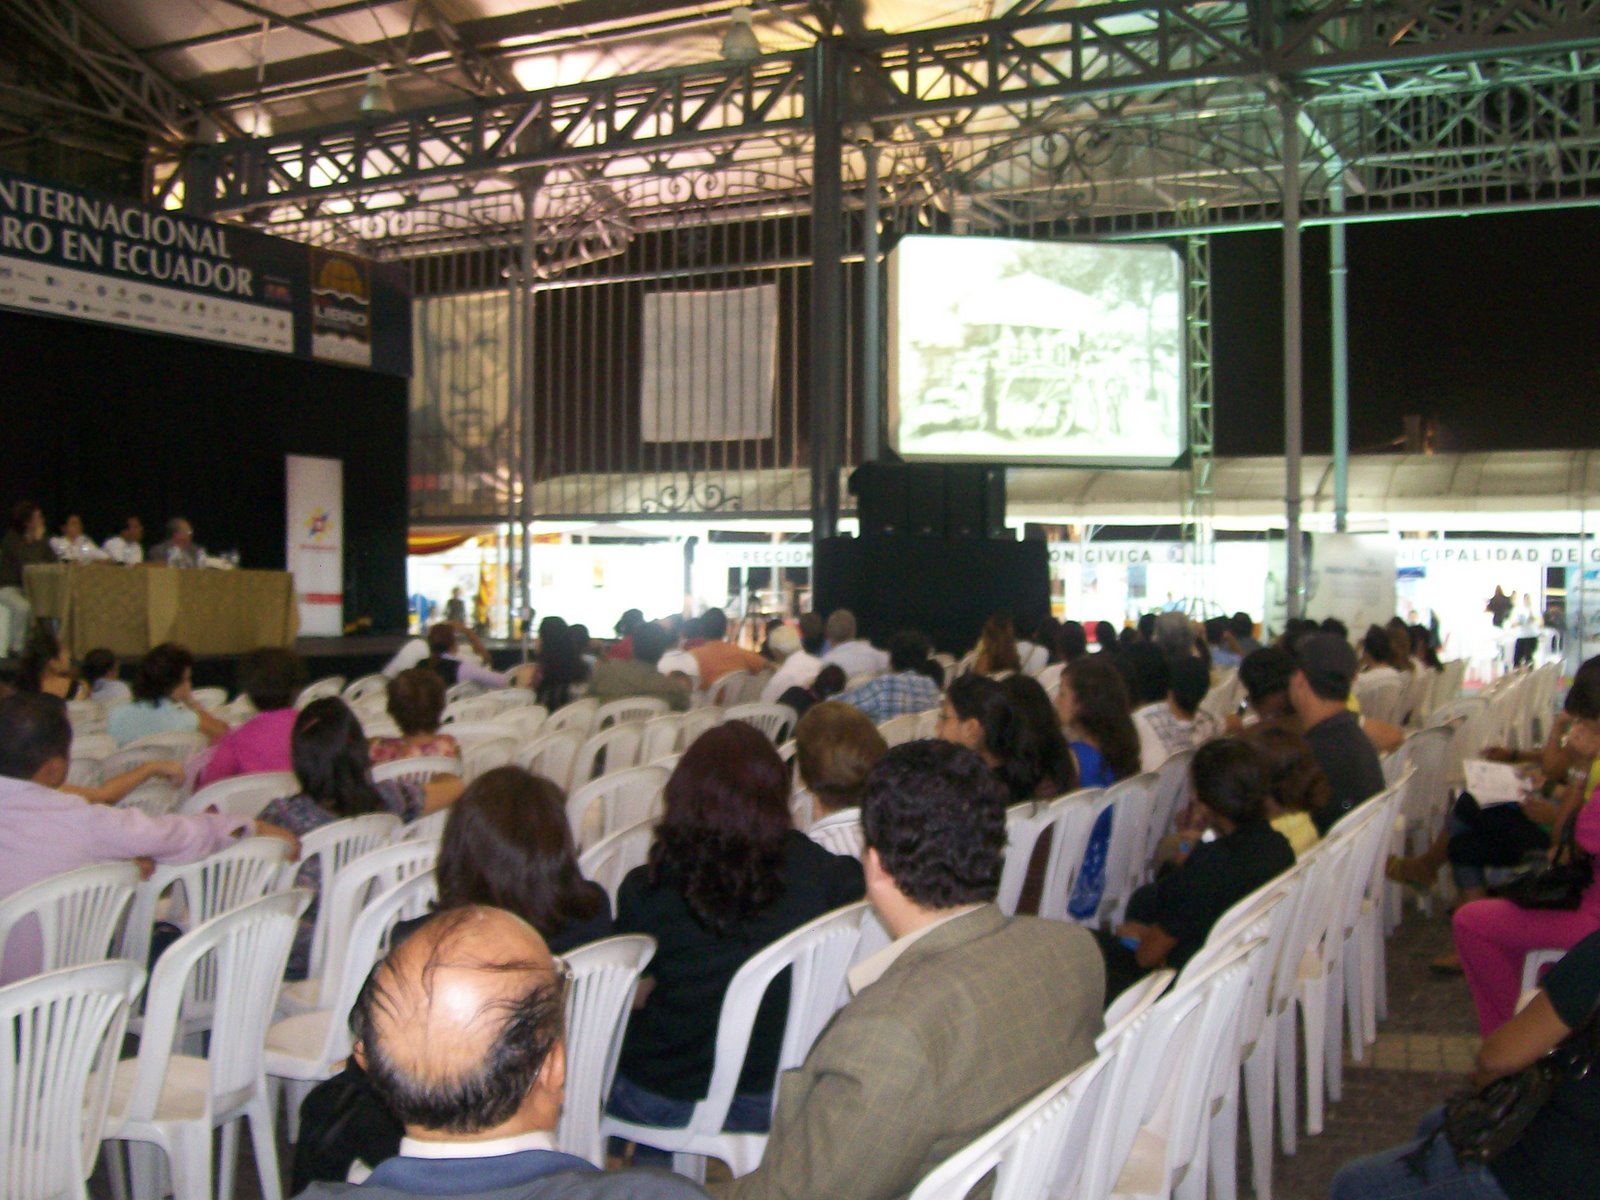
x: 1006, y: 350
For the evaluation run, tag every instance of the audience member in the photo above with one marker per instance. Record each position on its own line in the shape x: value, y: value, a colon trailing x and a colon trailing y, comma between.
x: 639, y: 676
x: 1296, y: 786
x: 127, y: 546
x: 44, y: 832
x: 1146, y: 671
x: 449, y: 666
x: 1423, y: 652
x: 1265, y: 674
x: 773, y: 624
x: 1175, y: 722
x: 1168, y: 920
x: 1039, y: 651
x: 727, y: 875
x: 460, y: 1031
x: 1145, y: 627
x: 73, y: 545
x: 963, y: 1017
x: 507, y: 846
x: 99, y: 671
x: 1018, y: 737
x: 905, y: 689
x: 798, y: 667
x: 1378, y: 665
x: 1556, y: 1154
x: 622, y: 648
x: 835, y: 747
x: 272, y: 678
x: 1071, y: 642
x: 1092, y: 702
x: 1244, y: 634
x: 853, y: 655
x: 179, y: 549
x: 23, y: 545
x: 163, y: 699
x: 1319, y: 690
x: 329, y: 754
x: 1105, y: 637
x: 559, y: 667
x: 1220, y: 639
x: 996, y: 654
x: 1174, y: 635
x: 416, y: 703
x: 584, y: 645
x: 717, y: 656
x: 45, y: 666
x: 829, y: 682
x: 678, y: 660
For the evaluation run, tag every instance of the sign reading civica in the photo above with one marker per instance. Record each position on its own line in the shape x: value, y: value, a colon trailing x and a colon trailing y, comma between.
x: 69, y: 253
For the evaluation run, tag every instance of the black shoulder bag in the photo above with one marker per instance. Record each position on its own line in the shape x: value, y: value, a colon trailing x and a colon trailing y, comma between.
x: 1559, y: 885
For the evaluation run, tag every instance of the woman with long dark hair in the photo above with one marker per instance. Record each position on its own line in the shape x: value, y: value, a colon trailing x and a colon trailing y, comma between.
x: 45, y: 666
x: 1011, y: 725
x: 560, y: 665
x: 329, y: 752
x: 727, y: 876
x: 1093, y: 705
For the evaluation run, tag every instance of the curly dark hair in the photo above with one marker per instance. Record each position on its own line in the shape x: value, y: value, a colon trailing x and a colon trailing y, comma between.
x: 1102, y: 703
x: 936, y: 816
x: 161, y: 671
x: 720, y: 840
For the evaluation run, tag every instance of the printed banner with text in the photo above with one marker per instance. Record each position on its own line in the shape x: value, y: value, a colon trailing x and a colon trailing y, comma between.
x: 316, y: 542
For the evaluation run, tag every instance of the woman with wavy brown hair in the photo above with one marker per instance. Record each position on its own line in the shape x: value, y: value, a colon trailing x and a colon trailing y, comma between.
x: 727, y: 876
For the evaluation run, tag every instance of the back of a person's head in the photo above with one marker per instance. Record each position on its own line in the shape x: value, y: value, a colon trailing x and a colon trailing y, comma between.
x: 841, y: 626
x: 974, y: 697
x: 1030, y: 745
x: 1174, y: 635
x: 713, y: 624
x: 97, y: 664
x: 161, y: 671
x: 1583, y: 697
x: 836, y: 745
x: 813, y: 633
x: 1230, y: 779
x: 1146, y: 626
x: 40, y: 650
x: 1105, y: 635
x: 33, y: 730
x: 329, y: 754
x: 1149, y: 673
x: 936, y: 817
x: 1336, y: 627
x: 1242, y: 625
x: 1217, y: 628
x: 999, y: 644
x: 830, y: 681
x: 720, y: 837
x: 1294, y: 777
x: 650, y: 642
x: 1377, y: 644
x: 908, y: 649
x: 1128, y: 637
x: 507, y: 844
x: 1102, y: 703
x: 416, y: 701
x: 580, y: 638
x: 1071, y: 642
x: 628, y: 622
x: 441, y: 639
x: 1265, y: 673
x: 272, y: 677
x: 1328, y: 664
x: 1191, y: 680
x: 22, y: 515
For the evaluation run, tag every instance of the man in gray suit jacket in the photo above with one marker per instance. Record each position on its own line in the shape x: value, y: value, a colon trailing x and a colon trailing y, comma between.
x: 963, y: 1017
x: 459, y: 1030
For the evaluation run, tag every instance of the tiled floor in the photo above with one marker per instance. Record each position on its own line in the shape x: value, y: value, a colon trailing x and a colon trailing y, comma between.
x: 1424, y: 1050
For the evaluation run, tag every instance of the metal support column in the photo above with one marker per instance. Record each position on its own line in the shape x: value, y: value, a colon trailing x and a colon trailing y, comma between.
x: 1294, y: 584
x: 871, y: 333
x: 523, y: 336
x: 1339, y: 326
x: 1200, y: 502
x: 827, y: 291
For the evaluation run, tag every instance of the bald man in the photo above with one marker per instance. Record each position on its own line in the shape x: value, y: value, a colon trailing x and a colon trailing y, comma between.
x: 460, y: 1032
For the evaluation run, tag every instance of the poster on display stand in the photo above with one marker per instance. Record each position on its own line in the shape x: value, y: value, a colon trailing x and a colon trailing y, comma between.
x: 315, y: 490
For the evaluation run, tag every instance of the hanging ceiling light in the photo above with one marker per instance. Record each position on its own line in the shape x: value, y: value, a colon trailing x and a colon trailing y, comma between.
x: 376, y: 99
x: 740, y: 43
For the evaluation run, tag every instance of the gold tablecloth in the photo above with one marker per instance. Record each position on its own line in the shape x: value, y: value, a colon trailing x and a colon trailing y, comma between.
x: 127, y: 610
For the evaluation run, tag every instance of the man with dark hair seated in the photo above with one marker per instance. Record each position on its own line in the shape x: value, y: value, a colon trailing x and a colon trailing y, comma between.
x: 906, y: 689
x: 640, y: 676
x: 963, y: 1017
x: 44, y: 831
x: 460, y: 1032
x: 1174, y: 723
x: 1319, y: 689
x: 717, y: 656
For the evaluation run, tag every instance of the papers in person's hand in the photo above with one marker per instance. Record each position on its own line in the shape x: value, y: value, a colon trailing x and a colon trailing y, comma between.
x: 1493, y: 783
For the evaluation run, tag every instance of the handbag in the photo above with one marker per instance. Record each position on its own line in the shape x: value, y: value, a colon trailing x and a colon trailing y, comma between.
x: 1558, y: 885
x: 1482, y: 1125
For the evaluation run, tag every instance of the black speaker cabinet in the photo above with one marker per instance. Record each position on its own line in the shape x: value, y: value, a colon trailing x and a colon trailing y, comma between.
x: 938, y: 500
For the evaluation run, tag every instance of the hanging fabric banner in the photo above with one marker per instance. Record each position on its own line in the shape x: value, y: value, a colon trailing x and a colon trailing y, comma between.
x: 316, y: 542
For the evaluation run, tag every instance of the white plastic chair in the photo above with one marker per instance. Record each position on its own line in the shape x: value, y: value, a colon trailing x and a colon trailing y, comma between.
x: 93, y: 745
x: 333, y: 685
x: 614, y: 801
x: 429, y: 828
x: 1380, y: 701
x: 1072, y: 819
x: 897, y: 731
x: 577, y: 715
x: 839, y: 833
x: 659, y: 737
x: 1132, y: 802
x: 605, y: 975
x: 1171, y: 794
x: 777, y: 721
x: 84, y: 770
x: 174, y: 1101
x: 181, y: 744
x: 629, y: 708
x: 473, y: 733
x: 1024, y: 1150
x: 62, y: 1031
x: 727, y: 691
x: 154, y: 797
x: 469, y: 711
x: 509, y: 699
x: 77, y: 913
x: 610, y: 859
x: 243, y: 795
x: 464, y: 690
x: 523, y: 722
x: 695, y: 722
x: 1134, y: 1000
x: 305, y: 1049
x: 416, y: 770
x: 551, y: 754
x: 617, y: 746
x: 367, y: 685
x: 86, y: 717
x: 483, y: 757
x: 817, y: 955
x: 333, y: 847
x: 210, y: 698
x: 1024, y: 823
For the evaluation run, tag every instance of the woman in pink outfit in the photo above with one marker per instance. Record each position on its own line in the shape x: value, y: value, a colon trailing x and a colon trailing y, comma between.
x: 1494, y: 936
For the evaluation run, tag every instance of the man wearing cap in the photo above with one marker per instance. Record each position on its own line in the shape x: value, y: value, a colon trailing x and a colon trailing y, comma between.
x: 1319, y: 689
x: 799, y: 657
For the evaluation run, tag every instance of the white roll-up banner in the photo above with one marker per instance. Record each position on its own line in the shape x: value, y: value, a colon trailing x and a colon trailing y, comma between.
x: 316, y: 542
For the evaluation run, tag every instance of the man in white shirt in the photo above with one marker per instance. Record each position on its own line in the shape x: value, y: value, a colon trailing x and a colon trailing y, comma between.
x: 854, y: 656
x: 798, y: 663
x: 127, y: 547
x: 460, y: 1032
x: 73, y: 546
x: 1175, y: 723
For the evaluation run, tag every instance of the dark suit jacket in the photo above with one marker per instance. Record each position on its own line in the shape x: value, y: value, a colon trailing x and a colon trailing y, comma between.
x: 971, y: 1020
x: 530, y: 1175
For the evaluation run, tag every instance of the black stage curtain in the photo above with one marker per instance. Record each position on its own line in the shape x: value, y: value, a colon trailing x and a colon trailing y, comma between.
x: 103, y: 421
